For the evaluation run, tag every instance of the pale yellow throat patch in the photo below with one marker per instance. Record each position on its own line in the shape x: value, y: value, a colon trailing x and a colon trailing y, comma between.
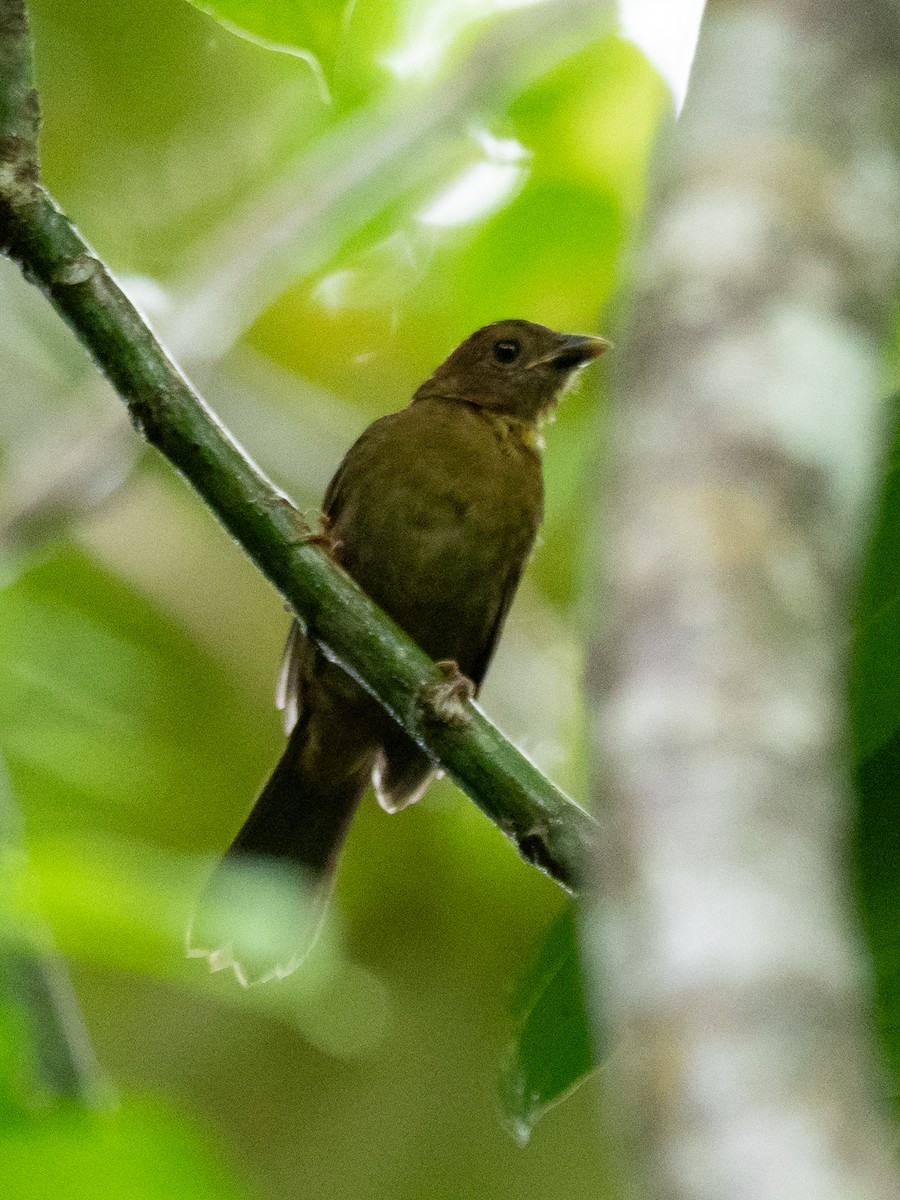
x: 514, y: 431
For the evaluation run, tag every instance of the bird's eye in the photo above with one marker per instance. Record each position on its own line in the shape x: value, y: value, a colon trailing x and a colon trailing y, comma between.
x: 507, y: 351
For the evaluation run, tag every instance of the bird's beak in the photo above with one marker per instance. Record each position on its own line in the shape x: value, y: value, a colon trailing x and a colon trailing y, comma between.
x: 574, y: 350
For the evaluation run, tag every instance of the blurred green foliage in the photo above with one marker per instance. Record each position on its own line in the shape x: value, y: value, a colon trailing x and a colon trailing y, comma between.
x: 138, y: 648
x: 140, y: 1152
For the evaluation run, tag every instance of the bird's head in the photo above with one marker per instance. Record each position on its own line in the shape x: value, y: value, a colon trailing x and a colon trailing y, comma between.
x: 517, y: 368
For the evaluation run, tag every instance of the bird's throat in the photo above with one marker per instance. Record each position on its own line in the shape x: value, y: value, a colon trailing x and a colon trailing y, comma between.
x: 514, y: 431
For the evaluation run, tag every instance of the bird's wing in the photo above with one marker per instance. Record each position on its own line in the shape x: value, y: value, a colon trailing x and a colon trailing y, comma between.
x: 331, y: 501
x: 368, y: 441
x: 489, y: 645
x: 298, y: 659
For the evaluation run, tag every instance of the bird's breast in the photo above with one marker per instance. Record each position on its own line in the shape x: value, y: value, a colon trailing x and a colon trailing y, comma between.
x: 439, y: 510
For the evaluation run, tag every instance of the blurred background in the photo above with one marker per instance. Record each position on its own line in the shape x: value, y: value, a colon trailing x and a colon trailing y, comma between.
x: 310, y: 242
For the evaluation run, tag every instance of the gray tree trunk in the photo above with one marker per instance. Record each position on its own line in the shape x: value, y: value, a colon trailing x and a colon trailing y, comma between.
x: 744, y: 446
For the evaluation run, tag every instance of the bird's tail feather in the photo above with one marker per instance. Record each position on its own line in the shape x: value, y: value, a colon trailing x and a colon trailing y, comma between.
x: 263, y: 907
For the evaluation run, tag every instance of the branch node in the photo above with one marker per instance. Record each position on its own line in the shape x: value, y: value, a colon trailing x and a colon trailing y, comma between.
x: 18, y: 170
x: 324, y: 539
x: 533, y: 840
x: 143, y: 416
x: 76, y: 270
x: 298, y: 531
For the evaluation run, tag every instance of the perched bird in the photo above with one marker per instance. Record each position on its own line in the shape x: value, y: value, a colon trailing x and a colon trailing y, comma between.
x: 433, y: 511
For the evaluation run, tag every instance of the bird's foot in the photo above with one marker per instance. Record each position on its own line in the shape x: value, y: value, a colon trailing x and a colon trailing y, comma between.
x: 446, y: 699
x: 303, y: 533
x: 324, y: 538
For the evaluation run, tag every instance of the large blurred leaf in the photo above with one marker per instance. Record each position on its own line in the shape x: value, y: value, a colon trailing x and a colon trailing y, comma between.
x: 553, y: 1048
x: 140, y: 1152
x: 112, y: 719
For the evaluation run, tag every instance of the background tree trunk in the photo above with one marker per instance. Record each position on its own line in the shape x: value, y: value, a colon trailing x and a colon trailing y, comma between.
x: 744, y: 445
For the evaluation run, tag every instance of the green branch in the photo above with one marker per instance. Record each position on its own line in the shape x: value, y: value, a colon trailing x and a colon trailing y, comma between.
x: 45, y: 1051
x: 19, y: 113
x: 55, y: 1058
x: 549, y: 829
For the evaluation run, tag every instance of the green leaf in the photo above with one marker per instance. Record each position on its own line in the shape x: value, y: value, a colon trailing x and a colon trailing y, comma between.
x: 553, y: 1049
x: 877, y: 853
x: 875, y: 728
x: 875, y: 665
x: 139, y: 1152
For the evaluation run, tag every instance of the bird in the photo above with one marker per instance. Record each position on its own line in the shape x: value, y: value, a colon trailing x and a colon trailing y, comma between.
x: 434, y: 512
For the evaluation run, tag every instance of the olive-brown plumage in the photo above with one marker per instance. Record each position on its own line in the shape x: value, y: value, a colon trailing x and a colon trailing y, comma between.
x: 433, y: 511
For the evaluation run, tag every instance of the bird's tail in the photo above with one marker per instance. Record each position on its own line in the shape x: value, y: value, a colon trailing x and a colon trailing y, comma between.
x: 263, y: 906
